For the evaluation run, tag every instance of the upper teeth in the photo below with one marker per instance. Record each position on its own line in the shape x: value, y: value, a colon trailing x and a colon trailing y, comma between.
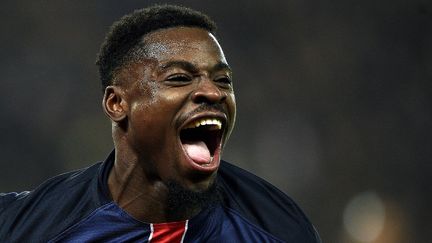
x: 205, y: 121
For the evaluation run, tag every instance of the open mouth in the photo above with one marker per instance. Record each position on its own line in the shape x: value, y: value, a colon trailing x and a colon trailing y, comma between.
x: 201, y: 140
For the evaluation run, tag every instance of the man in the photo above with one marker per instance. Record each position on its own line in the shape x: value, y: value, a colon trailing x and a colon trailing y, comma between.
x: 169, y: 94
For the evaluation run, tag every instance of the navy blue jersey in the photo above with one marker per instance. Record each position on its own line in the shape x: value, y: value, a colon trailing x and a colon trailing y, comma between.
x: 77, y: 207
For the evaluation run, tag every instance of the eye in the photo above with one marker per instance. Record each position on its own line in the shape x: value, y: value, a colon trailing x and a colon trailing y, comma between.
x: 179, y: 78
x: 224, y: 80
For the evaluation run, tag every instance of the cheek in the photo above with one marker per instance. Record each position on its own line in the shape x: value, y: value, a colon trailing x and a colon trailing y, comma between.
x: 171, y: 103
x: 152, y: 116
x: 232, y: 105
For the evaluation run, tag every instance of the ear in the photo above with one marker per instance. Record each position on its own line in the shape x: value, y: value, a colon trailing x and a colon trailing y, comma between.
x: 114, y: 103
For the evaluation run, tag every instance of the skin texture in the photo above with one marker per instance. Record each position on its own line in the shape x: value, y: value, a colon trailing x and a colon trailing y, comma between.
x: 183, y: 75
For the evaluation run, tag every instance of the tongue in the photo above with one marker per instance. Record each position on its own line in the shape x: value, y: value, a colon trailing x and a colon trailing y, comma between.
x: 198, y: 151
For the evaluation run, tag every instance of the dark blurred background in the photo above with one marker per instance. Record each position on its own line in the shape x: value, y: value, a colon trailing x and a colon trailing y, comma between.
x: 334, y: 102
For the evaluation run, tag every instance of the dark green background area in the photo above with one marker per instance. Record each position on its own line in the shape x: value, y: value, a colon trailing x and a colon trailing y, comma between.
x: 334, y: 98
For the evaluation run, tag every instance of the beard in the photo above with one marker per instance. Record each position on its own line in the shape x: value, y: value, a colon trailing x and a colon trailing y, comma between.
x: 183, y: 202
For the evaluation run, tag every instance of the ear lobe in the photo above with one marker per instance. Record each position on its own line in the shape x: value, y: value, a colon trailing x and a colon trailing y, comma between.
x: 114, y: 104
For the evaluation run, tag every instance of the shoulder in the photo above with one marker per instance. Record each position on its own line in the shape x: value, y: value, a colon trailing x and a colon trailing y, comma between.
x: 54, y: 204
x: 264, y: 205
x: 7, y: 199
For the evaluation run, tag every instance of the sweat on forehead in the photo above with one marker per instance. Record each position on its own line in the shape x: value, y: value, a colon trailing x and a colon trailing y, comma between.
x: 172, y: 41
x: 126, y: 34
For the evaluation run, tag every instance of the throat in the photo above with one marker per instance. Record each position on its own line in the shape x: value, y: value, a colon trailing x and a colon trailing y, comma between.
x: 157, y: 202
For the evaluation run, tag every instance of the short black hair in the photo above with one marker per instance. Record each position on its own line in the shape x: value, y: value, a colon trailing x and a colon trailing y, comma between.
x: 126, y: 34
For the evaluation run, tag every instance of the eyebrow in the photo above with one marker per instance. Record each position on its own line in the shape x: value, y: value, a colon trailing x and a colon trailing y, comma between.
x: 192, y: 68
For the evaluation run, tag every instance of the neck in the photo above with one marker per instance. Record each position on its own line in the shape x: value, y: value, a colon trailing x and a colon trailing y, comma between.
x: 144, y: 198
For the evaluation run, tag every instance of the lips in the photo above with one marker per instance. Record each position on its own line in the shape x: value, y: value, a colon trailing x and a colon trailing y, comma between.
x: 201, y: 139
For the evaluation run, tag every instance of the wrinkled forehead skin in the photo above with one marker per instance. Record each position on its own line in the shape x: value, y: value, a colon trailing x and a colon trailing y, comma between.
x: 164, y: 45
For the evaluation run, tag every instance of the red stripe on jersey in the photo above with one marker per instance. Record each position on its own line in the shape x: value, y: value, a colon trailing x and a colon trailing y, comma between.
x: 168, y: 232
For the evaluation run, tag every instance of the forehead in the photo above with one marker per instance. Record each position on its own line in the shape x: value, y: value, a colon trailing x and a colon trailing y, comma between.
x: 183, y: 43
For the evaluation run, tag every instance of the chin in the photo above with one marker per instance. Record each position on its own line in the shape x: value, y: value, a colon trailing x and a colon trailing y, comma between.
x: 199, y: 182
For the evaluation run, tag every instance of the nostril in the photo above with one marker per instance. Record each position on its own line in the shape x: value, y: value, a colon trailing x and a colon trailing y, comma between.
x: 200, y: 99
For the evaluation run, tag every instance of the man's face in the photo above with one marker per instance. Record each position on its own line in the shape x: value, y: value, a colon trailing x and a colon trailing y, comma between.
x: 181, y: 106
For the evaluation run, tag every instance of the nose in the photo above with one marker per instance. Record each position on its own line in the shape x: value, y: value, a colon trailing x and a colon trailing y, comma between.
x: 208, y: 92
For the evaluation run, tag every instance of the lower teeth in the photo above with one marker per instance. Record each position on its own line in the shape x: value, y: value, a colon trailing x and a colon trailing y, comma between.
x: 208, y: 163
